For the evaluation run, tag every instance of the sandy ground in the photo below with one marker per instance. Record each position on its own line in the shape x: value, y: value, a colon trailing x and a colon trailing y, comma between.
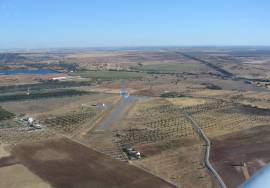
x: 3, y: 151
x: 18, y: 176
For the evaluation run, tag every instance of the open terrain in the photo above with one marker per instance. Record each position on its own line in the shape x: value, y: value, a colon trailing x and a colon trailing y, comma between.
x: 102, y: 103
x: 247, y: 153
x: 69, y: 164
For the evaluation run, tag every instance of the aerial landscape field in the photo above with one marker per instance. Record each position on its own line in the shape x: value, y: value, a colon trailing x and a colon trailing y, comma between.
x: 137, y: 112
x: 134, y: 94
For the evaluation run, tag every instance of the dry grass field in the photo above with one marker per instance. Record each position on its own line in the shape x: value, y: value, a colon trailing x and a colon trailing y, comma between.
x: 21, y: 177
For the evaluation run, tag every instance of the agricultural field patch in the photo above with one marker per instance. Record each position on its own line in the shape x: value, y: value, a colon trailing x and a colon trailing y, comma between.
x: 174, y: 67
x: 71, y: 122
x: 170, y: 147
x: 240, y: 155
x: 231, y: 118
x: 21, y: 177
x: 187, y: 101
x: 110, y: 75
x: 70, y: 164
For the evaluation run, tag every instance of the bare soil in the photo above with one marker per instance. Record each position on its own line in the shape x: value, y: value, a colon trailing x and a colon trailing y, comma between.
x: 18, y: 176
x: 230, y: 152
x: 81, y: 167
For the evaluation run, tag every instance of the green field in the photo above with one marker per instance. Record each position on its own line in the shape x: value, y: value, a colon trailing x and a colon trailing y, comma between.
x: 173, y: 67
x: 110, y: 75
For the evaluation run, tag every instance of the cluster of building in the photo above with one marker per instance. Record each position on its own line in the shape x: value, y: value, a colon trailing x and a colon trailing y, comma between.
x: 30, y: 122
x: 132, y: 153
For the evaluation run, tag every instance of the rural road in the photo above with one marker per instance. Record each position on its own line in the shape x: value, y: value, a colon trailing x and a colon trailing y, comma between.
x: 207, y: 152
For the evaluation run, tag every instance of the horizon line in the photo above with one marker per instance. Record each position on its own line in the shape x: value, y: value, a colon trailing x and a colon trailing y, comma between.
x: 134, y: 47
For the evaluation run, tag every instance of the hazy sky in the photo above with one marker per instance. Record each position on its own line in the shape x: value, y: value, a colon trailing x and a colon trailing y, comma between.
x: 95, y: 23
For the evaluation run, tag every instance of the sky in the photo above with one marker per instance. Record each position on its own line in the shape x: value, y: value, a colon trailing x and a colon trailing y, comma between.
x: 129, y: 23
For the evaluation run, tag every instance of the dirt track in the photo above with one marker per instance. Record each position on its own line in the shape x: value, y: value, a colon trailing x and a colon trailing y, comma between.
x: 229, y: 153
x: 66, y: 164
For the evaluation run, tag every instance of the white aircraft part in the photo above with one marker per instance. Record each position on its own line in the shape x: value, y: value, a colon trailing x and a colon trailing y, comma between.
x: 260, y: 180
